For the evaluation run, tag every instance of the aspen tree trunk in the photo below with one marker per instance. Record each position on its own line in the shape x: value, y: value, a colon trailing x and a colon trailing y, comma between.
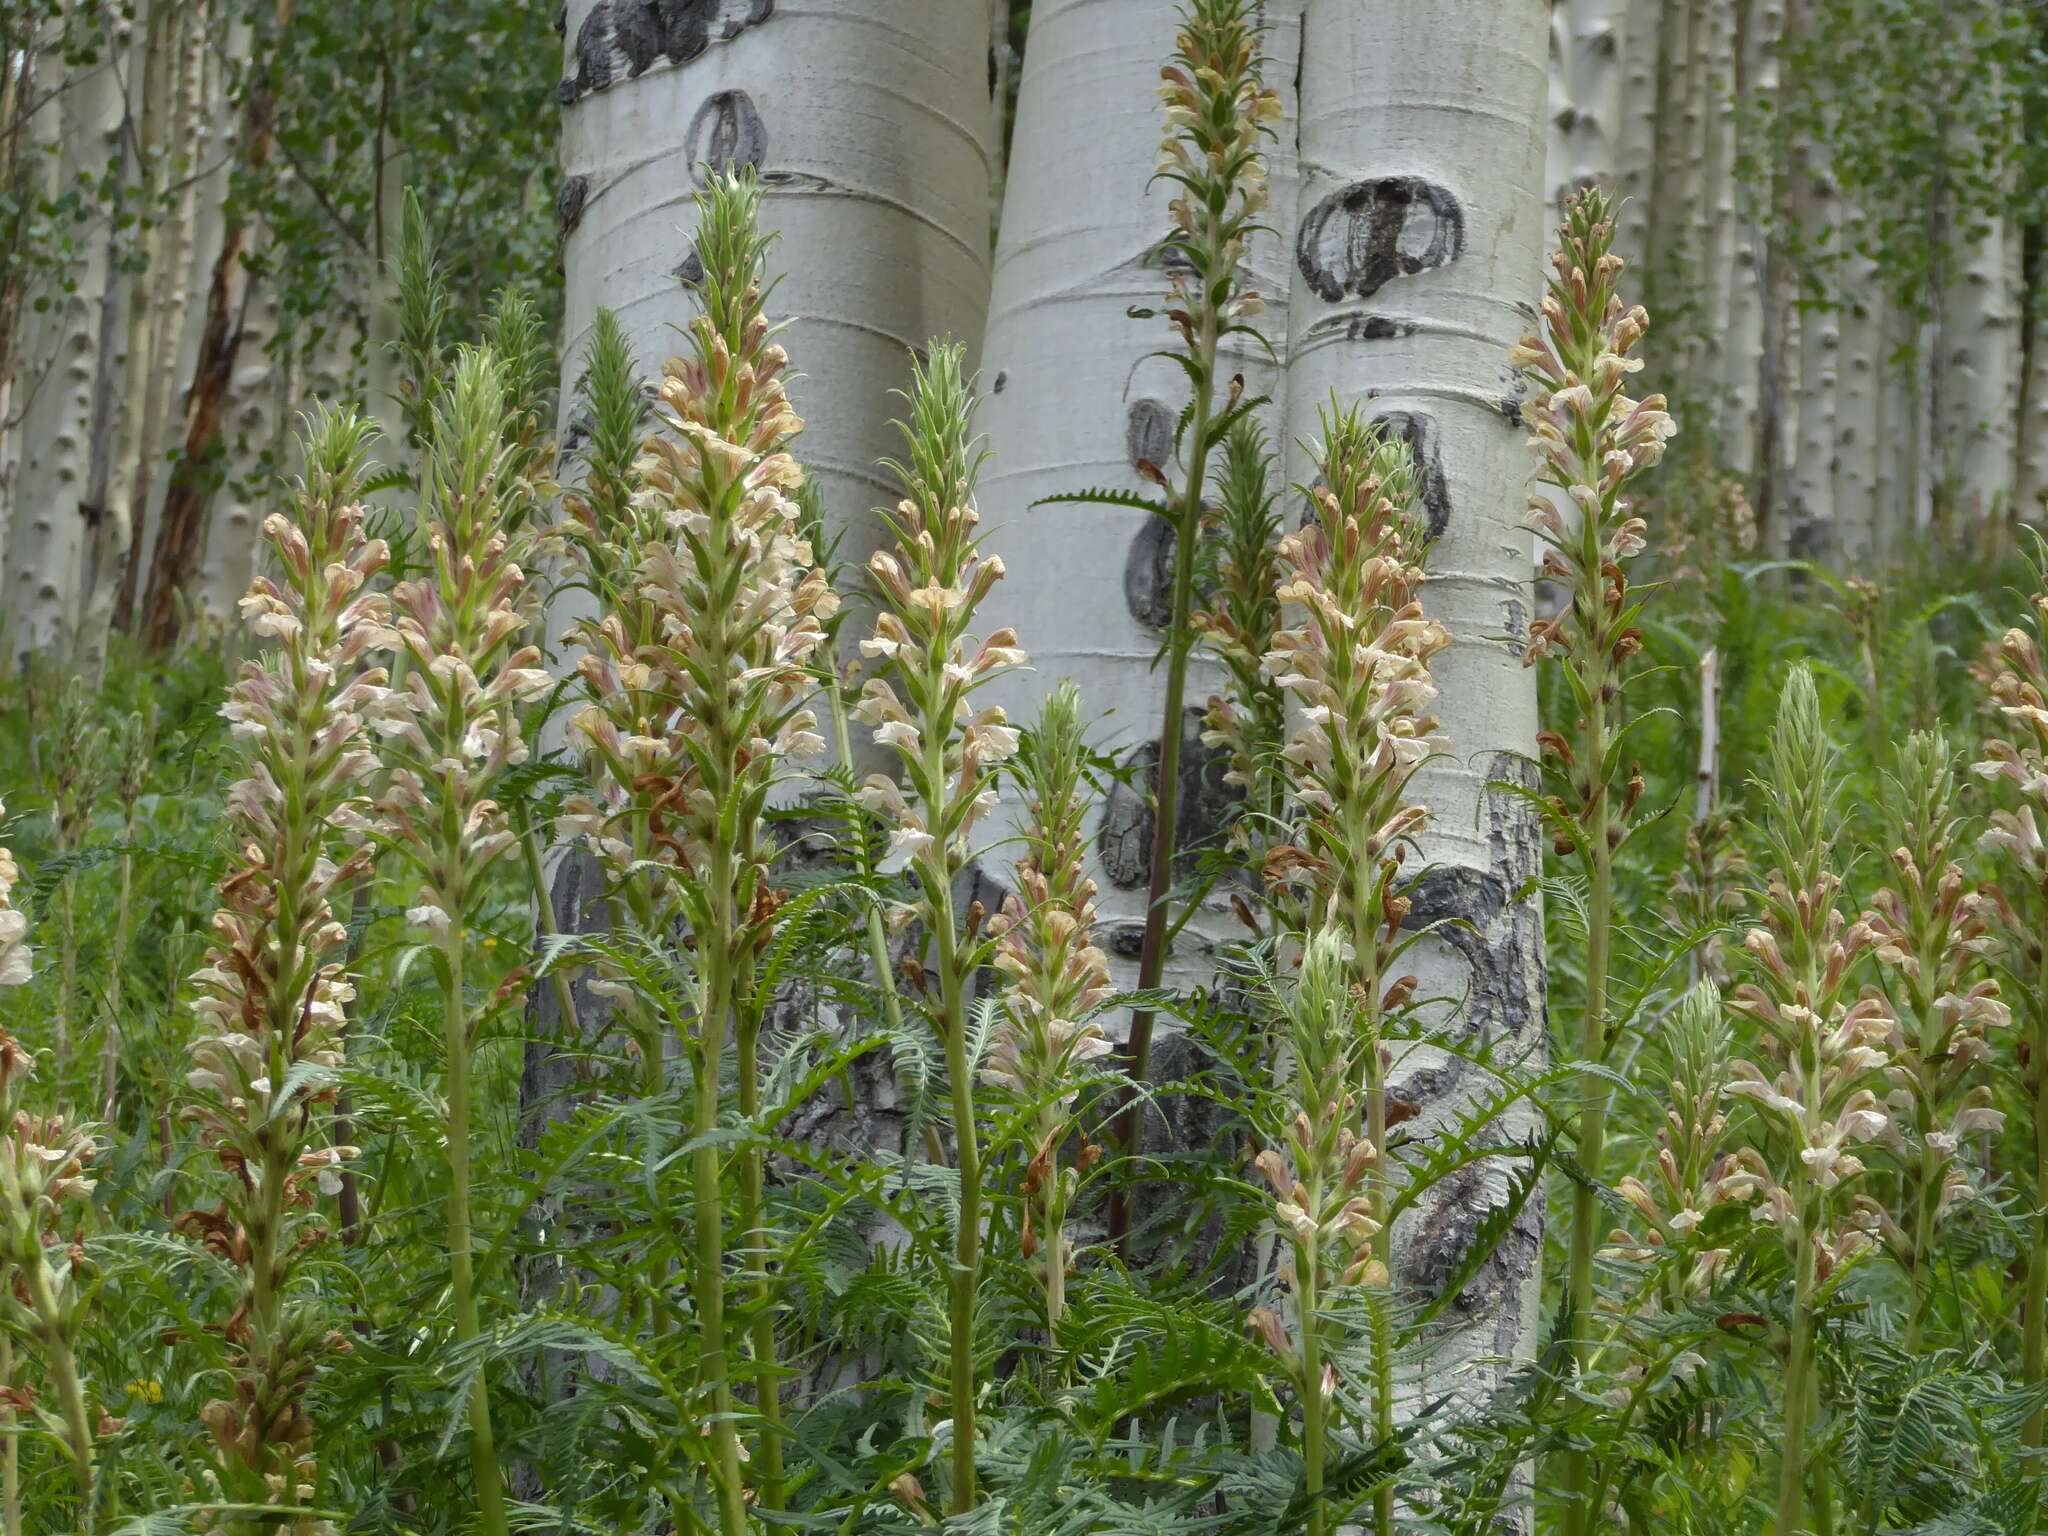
x: 380, y: 388
x: 1635, y: 155
x: 1587, y: 121
x: 1758, y: 24
x: 1667, y: 212
x: 1778, y: 404
x: 254, y: 413
x: 62, y: 372
x: 149, y: 118
x: 1980, y: 359
x: 1420, y: 246
x: 202, y: 130
x: 2031, y: 493
x: 1860, y: 384
x: 1076, y: 397
x: 175, y: 558
x: 867, y: 121
x: 1714, y: 64
x: 1813, y: 533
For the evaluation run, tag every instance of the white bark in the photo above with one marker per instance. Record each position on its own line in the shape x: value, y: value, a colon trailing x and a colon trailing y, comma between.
x: 1714, y: 64
x: 204, y: 139
x: 250, y: 437
x: 2031, y: 495
x: 1635, y: 155
x: 1813, y: 532
x: 61, y: 374
x: 1758, y: 26
x: 1980, y: 359
x: 1411, y: 297
x: 1860, y: 387
x: 867, y: 120
x: 1074, y: 399
x: 1587, y: 116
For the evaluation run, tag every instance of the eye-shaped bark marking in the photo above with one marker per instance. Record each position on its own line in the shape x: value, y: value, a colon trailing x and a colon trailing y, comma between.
x: 1432, y: 489
x: 644, y: 32
x: 1148, y: 574
x: 569, y: 201
x: 1124, y: 835
x: 1359, y: 238
x: 726, y: 134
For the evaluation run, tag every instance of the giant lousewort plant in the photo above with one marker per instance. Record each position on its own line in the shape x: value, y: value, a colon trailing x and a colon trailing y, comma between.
x: 2019, y: 689
x: 1931, y: 928
x: 1357, y: 666
x: 453, y: 732
x: 272, y: 994
x: 1825, y: 1042
x: 1218, y: 113
x: 1592, y: 440
x: 949, y: 748
x: 1056, y: 978
x: 699, y: 672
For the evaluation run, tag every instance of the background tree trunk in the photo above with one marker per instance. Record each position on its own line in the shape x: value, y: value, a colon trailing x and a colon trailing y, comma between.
x: 1075, y: 398
x: 868, y: 123
x: 1422, y: 240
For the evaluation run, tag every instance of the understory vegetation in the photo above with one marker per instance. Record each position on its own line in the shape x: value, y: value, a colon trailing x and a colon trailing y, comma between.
x: 589, y: 1015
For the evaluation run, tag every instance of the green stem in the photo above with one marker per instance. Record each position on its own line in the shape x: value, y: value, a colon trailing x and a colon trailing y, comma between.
x: 490, y: 1491
x: 544, y: 905
x: 1591, y: 1146
x: 10, y: 1455
x: 715, y: 955
x: 967, y: 1240
x: 1314, y: 1434
x: 1166, y: 791
x: 110, y: 1057
x: 767, y: 1385
x: 62, y: 1362
x: 2036, y: 1315
x: 1798, y: 1387
x: 1382, y: 1320
x: 1926, y: 1198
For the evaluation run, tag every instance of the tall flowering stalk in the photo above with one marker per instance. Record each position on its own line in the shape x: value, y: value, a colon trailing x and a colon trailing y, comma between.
x: 2018, y: 685
x: 699, y: 670
x: 1237, y: 625
x: 1056, y: 977
x: 17, y: 967
x: 1692, y: 1174
x: 80, y: 770
x: 1931, y: 930
x: 130, y: 740
x: 453, y: 730
x: 921, y: 708
x: 1825, y: 1044
x: 1324, y: 1176
x: 1218, y: 112
x: 42, y: 1176
x: 272, y: 993
x: 1357, y: 665
x: 1592, y: 440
